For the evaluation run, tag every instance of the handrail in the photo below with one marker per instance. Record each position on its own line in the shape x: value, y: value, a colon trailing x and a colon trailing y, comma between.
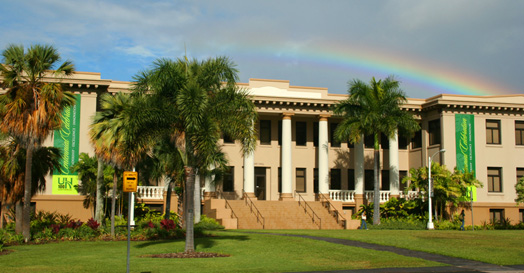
x: 335, y: 211
x: 252, y: 205
x: 233, y: 214
x: 312, y: 214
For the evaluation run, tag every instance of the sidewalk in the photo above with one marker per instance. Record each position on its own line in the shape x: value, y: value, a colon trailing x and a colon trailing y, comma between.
x: 456, y: 264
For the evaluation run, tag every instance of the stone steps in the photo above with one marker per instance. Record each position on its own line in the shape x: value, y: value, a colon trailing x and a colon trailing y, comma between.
x: 276, y: 215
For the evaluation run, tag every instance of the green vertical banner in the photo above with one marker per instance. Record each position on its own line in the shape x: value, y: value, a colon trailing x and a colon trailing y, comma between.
x: 67, y: 139
x: 465, y: 144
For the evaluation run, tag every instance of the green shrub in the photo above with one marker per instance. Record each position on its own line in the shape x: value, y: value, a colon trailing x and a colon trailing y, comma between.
x: 400, y: 224
x: 45, y: 235
x: 207, y: 223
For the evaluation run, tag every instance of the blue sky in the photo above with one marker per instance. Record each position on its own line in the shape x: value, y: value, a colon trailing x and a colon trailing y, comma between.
x: 432, y: 47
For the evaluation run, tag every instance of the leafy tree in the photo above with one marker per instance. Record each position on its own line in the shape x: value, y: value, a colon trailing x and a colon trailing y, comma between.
x: 31, y: 107
x: 197, y: 102
x: 519, y: 188
x: 448, y: 187
x: 373, y: 109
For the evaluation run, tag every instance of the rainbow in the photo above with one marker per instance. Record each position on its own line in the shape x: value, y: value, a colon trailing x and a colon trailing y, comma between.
x: 426, y: 76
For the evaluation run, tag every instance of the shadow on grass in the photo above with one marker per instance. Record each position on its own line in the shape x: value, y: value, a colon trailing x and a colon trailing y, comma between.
x: 201, y: 242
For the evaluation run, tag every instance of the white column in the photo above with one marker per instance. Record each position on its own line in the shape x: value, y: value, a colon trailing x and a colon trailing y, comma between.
x: 359, y: 167
x: 323, y: 155
x: 287, y: 189
x: 394, y: 183
x: 209, y: 186
x: 249, y: 174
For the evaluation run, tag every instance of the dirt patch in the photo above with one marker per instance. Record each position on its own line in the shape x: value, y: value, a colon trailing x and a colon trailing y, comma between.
x: 188, y: 255
x: 5, y: 252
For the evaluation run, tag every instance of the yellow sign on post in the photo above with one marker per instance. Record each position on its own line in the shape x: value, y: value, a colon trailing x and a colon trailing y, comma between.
x: 130, y: 181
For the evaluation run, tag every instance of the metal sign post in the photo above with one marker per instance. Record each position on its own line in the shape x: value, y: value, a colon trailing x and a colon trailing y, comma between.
x: 471, y: 195
x: 130, y: 186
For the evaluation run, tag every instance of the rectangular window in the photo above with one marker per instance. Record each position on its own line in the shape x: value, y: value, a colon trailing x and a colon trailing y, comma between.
x: 384, y: 141
x: 351, y: 179
x: 494, y: 179
x: 519, y: 132
x: 228, y: 139
x: 369, y: 183
x: 496, y: 215
x: 492, y: 131
x: 369, y: 141
x: 300, y: 180
x: 520, y: 173
x: 315, y: 134
x: 265, y: 132
x: 434, y: 132
x: 401, y: 175
x: 279, y: 180
x: 385, y: 180
x: 333, y: 139
x: 335, y: 180
x: 229, y: 180
x: 315, y: 180
x: 521, y: 215
x: 416, y: 141
x: 301, y: 133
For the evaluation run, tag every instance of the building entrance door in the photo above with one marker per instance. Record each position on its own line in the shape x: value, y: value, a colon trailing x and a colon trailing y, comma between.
x: 260, y: 183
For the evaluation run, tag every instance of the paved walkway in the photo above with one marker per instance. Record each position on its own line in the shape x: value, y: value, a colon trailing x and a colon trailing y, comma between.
x: 456, y: 264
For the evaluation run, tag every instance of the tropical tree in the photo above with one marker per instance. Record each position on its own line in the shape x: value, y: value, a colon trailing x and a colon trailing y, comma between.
x: 31, y: 107
x: 199, y: 101
x: 12, y: 171
x: 448, y: 187
x: 116, y: 138
x: 373, y: 109
x: 87, y: 168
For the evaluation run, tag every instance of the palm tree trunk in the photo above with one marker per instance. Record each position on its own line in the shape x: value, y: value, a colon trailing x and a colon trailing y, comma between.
x: 190, y: 189
x: 376, y: 186
x: 99, y: 213
x: 167, y: 209
x: 113, y: 204
x: 197, y: 198
x: 18, y: 217
x: 26, y: 212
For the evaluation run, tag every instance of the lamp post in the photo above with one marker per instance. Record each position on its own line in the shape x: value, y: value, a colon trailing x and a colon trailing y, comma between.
x: 430, y: 222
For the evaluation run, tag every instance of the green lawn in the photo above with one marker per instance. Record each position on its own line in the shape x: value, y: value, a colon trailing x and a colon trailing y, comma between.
x: 249, y: 253
x: 502, y: 247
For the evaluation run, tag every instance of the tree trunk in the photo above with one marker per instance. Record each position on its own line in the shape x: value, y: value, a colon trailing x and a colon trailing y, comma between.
x: 167, y: 209
x: 113, y: 204
x: 26, y: 214
x: 190, y: 189
x: 99, y: 208
x: 197, y: 198
x: 376, y: 189
x: 18, y: 217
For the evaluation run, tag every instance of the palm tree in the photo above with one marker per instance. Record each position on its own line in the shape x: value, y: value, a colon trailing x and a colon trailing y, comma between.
x: 31, y: 107
x: 373, y: 109
x: 12, y: 170
x: 199, y: 101
x: 115, y: 138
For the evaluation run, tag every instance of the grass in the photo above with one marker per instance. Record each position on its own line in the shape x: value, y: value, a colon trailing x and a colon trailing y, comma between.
x: 502, y: 247
x: 249, y: 253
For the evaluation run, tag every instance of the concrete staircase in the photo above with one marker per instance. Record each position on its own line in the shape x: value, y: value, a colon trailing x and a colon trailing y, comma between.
x: 275, y: 214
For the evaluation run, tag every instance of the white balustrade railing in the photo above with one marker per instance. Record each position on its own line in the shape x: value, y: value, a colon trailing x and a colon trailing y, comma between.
x: 409, y: 195
x: 384, y: 196
x: 150, y: 192
x: 342, y: 195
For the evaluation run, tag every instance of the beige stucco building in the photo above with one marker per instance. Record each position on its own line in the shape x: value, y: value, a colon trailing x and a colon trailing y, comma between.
x: 297, y: 155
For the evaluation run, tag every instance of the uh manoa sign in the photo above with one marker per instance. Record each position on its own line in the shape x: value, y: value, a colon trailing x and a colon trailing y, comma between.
x: 67, y: 139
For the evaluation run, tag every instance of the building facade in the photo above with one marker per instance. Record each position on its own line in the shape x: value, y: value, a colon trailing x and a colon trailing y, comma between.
x: 296, y: 153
